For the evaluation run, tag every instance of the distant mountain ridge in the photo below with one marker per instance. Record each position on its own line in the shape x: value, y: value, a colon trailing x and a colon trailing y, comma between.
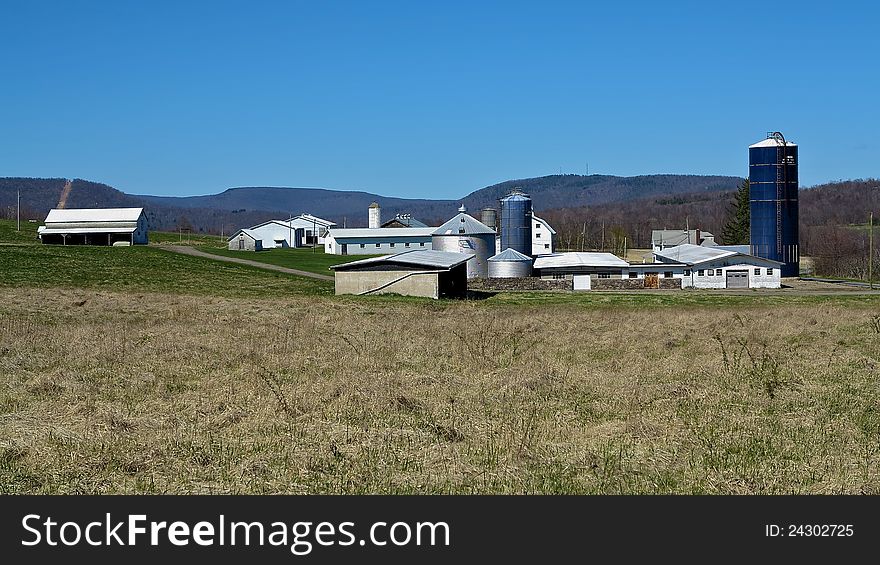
x: 245, y: 206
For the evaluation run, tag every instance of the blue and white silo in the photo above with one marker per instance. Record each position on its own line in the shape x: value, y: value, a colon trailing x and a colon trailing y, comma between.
x: 516, y: 222
x: 773, y: 202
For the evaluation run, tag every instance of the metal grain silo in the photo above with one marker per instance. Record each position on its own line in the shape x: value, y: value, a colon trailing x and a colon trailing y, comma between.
x: 464, y: 234
x: 509, y: 264
x: 773, y: 202
x: 516, y: 222
x: 489, y: 217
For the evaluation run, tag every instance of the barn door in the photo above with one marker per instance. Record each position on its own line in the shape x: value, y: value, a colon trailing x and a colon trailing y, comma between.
x: 737, y: 279
x: 652, y: 280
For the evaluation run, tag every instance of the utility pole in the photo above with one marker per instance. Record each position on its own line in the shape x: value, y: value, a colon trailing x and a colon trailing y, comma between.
x: 871, y: 251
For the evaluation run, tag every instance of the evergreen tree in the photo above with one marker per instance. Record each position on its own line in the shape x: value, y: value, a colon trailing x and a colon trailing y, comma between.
x: 736, y: 229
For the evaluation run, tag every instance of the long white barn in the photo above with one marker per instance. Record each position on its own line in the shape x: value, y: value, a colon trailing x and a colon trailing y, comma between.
x: 691, y: 266
x: 365, y: 241
x: 712, y: 267
x: 94, y: 226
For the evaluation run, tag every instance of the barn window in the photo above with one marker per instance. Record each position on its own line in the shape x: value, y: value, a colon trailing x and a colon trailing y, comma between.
x: 422, y: 244
x: 392, y: 244
x: 633, y: 275
x: 687, y: 272
x: 537, y: 235
x: 378, y: 245
x: 667, y: 274
x: 758, y: 271
x: 557, y: 276
x: 769, y: 271
x: 406, y: 244
x: 700, y: 273
x: 362, y: 245
x: 604, y: 275
x: 546, y: 246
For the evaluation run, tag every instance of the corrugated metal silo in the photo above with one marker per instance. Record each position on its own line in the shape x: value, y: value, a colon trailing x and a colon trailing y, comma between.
x: 464, y: 234
x: 516, y: 222
x: 509, y: 264
x: 773, y: 202
x: 489, y: 217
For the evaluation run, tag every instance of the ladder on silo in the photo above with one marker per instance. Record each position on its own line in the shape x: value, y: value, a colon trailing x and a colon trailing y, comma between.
x: 780, y: 193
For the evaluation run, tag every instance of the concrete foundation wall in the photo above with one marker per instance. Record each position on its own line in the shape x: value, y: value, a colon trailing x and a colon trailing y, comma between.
x: 633, y: 284
x: 357, y: 282
x: 523, y: 283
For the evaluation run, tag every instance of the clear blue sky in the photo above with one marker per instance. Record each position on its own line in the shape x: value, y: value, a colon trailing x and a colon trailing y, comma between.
x: 430, y: 100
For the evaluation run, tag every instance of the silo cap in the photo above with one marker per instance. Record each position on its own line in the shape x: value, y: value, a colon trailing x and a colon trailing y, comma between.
x: 771, y: 142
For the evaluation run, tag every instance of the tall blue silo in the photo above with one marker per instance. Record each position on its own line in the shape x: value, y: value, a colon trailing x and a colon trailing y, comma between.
x: 773, y: 202
x: 516, y: 222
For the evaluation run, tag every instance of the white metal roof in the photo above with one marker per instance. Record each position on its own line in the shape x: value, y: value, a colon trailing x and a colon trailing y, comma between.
x: 246, y: 232
x: 544, y: 223
x: 771, y: 142
x: 420, y: 258
x: 283, y: 223
x: 744, y: 249
x: 468, y: 223
x: 691, y: 254
x: 43, y: 230
x: 380, y: 232
x: 695, y: 254
x: 509, y: 255
x: 579, y: 259
x: 73, y: 215
x: 312, y: 220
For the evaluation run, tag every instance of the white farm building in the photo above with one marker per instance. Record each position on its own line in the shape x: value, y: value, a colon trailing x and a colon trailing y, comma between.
x: 299, y: 231
x: 314, y: 229
x: 94, y: 226
x: 713, y: 267
x: 272, y: 234
x: 543, y: 237
x: 690, y: 266
x: 367, y: 241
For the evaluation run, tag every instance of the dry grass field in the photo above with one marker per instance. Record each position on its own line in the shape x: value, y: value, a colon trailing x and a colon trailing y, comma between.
x: 106, y: 391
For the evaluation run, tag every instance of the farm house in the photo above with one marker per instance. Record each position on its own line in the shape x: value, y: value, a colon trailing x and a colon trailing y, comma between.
x: 431, y: 274
x: 94, y: 226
